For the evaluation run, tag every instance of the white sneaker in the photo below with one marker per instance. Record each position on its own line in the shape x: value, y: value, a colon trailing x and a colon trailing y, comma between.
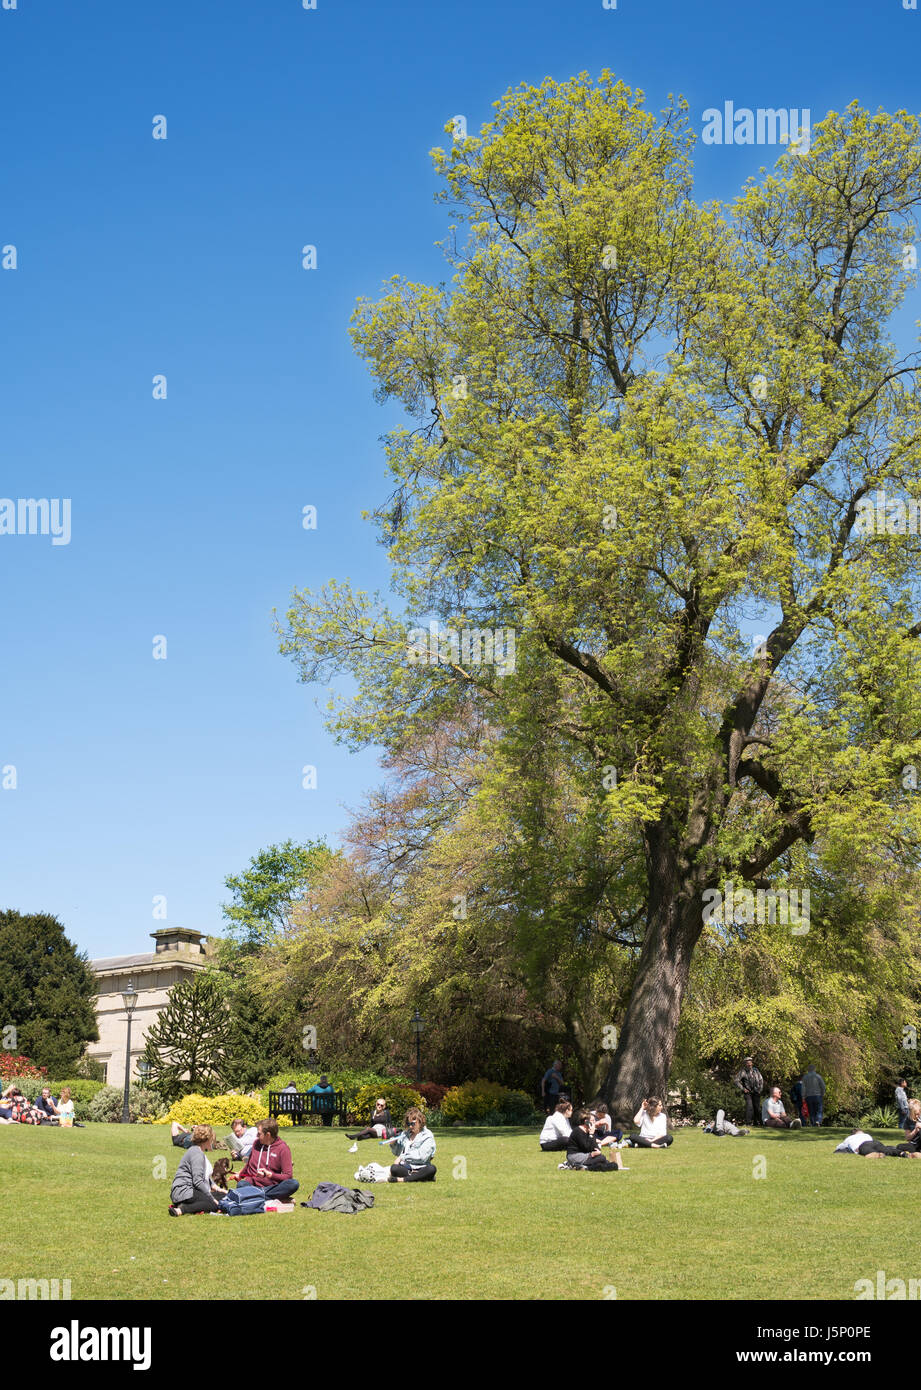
x: 353, y: 1149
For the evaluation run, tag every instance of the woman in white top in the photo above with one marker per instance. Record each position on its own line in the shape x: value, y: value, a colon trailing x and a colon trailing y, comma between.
x: 557, y: 1128
x: 653, y: 1123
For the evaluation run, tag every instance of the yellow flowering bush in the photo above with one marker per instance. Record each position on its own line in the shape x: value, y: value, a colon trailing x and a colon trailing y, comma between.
x: 219, y: 1110
x: 486, y: 1102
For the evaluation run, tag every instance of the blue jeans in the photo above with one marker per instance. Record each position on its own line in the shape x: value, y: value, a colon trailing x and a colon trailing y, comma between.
x: 281, y: 1191
x: 814, y: 1106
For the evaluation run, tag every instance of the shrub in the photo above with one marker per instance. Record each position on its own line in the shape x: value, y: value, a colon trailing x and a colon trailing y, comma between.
x: 880, y: 1117
x: 435, y: 1119
x: 106, y: 1105
x: 486, y: 1103
x: 219, y: 1110
x: 398, y: 1095
x: 432, y: 1093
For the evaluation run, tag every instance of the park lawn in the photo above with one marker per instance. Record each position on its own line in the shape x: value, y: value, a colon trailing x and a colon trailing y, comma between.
x: 693, y: 1222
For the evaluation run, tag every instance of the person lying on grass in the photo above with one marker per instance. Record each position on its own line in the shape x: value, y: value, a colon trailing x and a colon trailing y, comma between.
x: 414, y: 1150
x: 862, y: 1143
x: 653, y: 1123
x: 378, y: 1125
x: 557, y: 1128
x: 192, y: 1190
x: 583, y: 1150
x: 269, y: 1164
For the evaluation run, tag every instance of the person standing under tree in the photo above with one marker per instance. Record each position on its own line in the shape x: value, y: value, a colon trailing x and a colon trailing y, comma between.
x: 751, y: 1083
x: 901, y: 1101
x: 551, y: 1085
x: 814, y: 1091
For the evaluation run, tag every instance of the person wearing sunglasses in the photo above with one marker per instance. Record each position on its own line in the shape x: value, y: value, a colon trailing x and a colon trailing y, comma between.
x: 414, y: 1149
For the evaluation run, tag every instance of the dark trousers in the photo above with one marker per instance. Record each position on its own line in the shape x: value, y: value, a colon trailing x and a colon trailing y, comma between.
x: 752, y: 1108
x: 640, y: 1143
x: 554, y: 1145
x: 813, y: 1105
x: 281, y: 1191
x: 424, y: 1174
x: 197, y: 1204
x: 327, y: 1119
x: 776, y: 1123
x: 873, y: 1146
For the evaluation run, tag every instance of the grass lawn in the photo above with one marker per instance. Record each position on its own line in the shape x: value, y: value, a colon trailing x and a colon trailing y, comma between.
x: 690, y: 1223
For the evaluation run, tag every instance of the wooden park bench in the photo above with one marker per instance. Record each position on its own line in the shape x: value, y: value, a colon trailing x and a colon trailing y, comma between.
x: 300, y: 1105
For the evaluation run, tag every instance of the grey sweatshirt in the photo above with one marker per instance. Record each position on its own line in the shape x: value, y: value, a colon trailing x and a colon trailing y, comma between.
x: 193, y: 1178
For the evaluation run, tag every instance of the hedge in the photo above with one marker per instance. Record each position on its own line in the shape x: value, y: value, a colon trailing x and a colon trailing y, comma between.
x: 219, y: 1110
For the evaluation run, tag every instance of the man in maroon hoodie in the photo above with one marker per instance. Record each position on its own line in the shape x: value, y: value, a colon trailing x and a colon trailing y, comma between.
x: 269, y: 1164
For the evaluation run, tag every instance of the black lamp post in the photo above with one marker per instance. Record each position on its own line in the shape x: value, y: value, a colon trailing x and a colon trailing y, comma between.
x: 130, y: 996
x: 418, y: 1024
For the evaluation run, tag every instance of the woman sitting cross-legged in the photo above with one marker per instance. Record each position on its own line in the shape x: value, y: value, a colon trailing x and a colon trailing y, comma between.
x: 192, y: 1190
x: 414, y: 1150
x: 378, y: 1125
x: 583, y: 1150
x: 557, y: 1128
x: 269, y: 1164
x: 653, y: 1123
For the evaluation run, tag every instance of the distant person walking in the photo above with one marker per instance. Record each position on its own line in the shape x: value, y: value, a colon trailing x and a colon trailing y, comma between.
x: 751, y: 1083
x: 814, y: 1091
x: 551, y: 1085
x: 901, y: 1100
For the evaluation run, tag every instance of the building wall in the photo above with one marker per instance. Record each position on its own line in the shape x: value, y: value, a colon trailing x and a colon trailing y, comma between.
x: 152, y: 984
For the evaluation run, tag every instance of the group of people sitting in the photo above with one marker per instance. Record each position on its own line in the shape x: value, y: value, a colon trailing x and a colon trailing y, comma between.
x: 15, y: 1108
x: 198, y: 1186
x: 587, y: 1132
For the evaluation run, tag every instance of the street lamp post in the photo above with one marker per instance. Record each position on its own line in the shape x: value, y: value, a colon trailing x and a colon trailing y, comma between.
x: 130, y: 997
x: 418, y: 1024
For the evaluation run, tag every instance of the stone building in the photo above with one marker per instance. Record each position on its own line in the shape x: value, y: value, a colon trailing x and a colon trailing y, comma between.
x: 178, y: 954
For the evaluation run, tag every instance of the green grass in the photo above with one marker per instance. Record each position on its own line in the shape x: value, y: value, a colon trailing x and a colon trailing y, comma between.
x: 689, y: 1223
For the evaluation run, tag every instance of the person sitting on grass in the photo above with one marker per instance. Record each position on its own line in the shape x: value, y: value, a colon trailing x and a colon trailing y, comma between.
x: 47, y: 1106
x: 653, y: 1123
x: 606, y: 1132
x: 773, y: 1114
x: 414, y: 1149
x: 912, y: 1145
x: 378, y: 1125
x: 192, y: 1191
x: 269, y: 1164
x: 583, y: 1150
x: 862, y: 1143
x: 22, y: 1111
x: 557, y: 1128
x: 241, y: 1139
x: 66, y: 1110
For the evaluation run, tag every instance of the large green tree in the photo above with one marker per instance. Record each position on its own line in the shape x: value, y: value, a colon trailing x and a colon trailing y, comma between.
x: 188, y: 1048
x: 47, y: 992
x: 641, y: 425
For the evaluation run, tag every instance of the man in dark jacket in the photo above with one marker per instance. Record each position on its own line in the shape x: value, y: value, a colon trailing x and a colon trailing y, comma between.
x: 751, y: 1083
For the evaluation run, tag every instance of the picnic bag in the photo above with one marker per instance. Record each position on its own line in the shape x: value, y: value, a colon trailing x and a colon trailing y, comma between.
x: 245, y: 1201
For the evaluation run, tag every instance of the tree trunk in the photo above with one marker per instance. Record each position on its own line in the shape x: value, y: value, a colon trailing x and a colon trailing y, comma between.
x: 642, y: 1062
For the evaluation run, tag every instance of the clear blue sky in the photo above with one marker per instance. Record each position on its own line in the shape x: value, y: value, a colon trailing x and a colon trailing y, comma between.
x: 285, y: 126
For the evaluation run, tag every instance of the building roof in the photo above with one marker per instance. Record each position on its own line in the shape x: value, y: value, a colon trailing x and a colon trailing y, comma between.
x: 161, y: 959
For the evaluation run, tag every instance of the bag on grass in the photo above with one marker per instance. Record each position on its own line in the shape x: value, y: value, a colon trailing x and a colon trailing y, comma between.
x: 245, y: 1201
x: 373, y: 1172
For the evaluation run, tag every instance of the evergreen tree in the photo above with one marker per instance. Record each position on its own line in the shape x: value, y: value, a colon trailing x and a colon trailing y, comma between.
x: 189, y: 1047
x: 47, y: 992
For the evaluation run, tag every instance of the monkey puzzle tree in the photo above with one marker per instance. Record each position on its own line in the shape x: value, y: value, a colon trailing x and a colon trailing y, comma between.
x: 643, y: 425
x: 188, y: 1047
